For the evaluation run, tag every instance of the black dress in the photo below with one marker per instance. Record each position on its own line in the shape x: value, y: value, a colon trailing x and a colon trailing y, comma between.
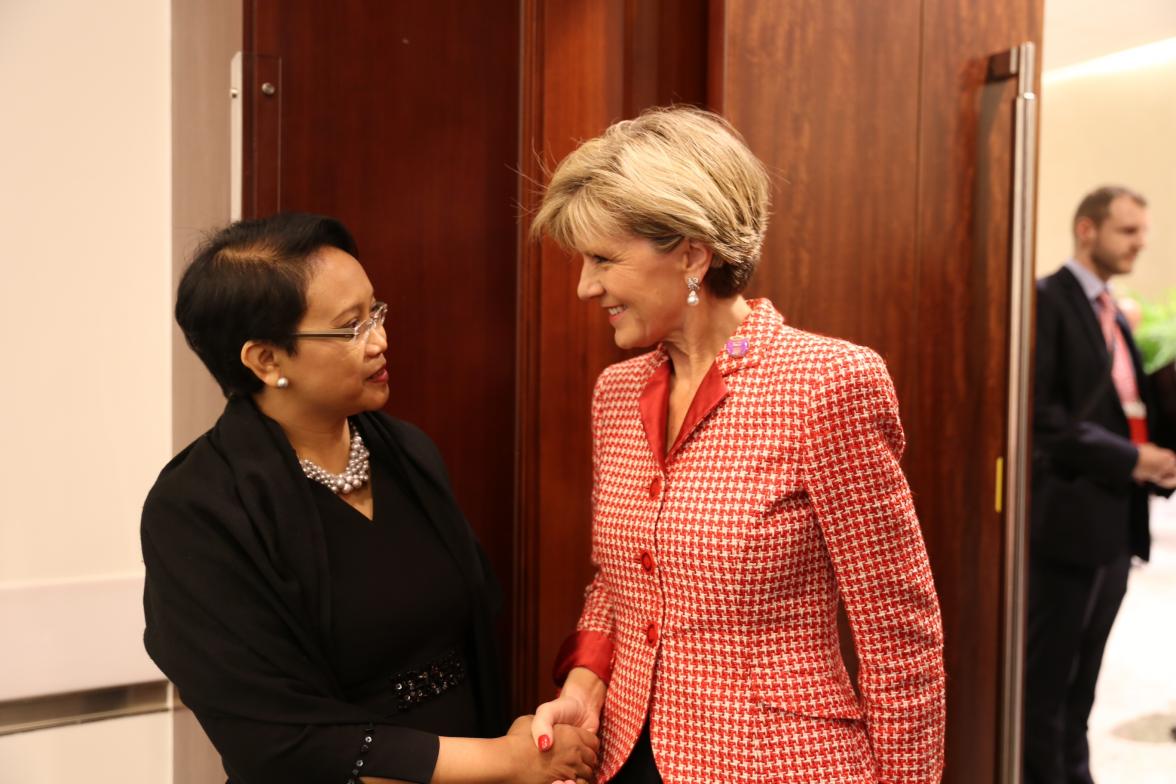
x: 397, y: 555
x: 311, y: 643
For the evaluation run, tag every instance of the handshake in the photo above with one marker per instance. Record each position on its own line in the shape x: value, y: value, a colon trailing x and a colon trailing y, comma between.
x: 557, y: 745
x: 560, y: 754
x: 576, y: 715
x: 1156, y: 465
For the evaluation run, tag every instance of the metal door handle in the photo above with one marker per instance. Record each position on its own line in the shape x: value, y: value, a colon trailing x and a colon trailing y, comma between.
x: 1020, y: 63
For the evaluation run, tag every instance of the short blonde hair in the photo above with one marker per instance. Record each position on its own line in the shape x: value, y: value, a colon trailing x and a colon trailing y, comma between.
x: 673, y: 172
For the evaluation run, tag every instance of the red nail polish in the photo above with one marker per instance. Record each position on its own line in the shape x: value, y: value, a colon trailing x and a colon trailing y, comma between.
x: 544, y: 743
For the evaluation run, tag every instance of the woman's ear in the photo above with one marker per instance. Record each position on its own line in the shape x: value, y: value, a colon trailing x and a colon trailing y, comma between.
x: 261, y: 357
x: 699, y: 258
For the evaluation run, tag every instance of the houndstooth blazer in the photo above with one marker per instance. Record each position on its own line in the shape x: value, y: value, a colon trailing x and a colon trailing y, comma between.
x: 719, y: 566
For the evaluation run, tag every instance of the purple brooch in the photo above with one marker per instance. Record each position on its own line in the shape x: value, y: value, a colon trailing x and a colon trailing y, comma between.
x: 737, y: 348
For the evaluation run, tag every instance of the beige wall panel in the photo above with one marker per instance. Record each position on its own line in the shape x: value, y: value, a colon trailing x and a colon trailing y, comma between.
x: 206, y: 33
x: 73, y: 636
x: 1111, y: 121
x: 133, y: 750
x: 85, y: 212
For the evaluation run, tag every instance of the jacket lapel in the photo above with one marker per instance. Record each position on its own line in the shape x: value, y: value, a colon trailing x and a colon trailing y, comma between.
x: 654, y: 406
x: 709, y: 394
x: 1082, y: 310
x: 742, y: 351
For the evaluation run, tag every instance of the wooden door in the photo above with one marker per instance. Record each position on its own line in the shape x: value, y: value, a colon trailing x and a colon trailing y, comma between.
x: 401, y: 119
x: 586, y: 64
x: 891, y: 229
x: 427, y: 126
x: 413, y: 124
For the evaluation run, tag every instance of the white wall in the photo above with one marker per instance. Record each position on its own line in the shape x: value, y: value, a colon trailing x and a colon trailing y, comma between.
x: 1079, y: 30
x: 133, y: 750
x: 1111, y: 121
x: 85, y: 217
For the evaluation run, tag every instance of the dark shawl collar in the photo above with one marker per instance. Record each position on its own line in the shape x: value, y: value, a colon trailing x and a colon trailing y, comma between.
x: 236, y: 598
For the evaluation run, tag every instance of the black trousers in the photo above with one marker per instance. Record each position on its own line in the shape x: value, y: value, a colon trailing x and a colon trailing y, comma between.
x: 1071, y: 611
x: 639, y: 768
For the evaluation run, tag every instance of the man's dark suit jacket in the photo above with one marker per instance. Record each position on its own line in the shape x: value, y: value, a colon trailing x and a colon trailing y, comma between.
x: 1085, y: 507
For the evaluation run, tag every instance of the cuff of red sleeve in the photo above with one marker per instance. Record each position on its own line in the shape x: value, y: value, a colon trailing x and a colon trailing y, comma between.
x: 593, y: 650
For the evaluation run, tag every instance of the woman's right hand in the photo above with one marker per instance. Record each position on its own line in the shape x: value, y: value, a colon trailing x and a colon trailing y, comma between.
x: 571, y: 757
x: 578, y: 705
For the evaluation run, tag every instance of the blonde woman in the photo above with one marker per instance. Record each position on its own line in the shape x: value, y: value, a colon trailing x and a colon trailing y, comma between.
x: 746, y: 477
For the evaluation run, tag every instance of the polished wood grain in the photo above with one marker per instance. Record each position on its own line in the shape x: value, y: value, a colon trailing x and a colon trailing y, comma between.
x: 401, y: 119
x: 263, y: 94
x: 573, y: 90
x: 891, y: 230
x: 586, y: 64
x: 965, y: 182
x: 414, y: 124
x: 666, y: 53
x: 524, y: 649
x: 826, y: 94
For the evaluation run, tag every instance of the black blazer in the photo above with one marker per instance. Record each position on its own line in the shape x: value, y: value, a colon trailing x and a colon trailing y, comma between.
x: 238, y: 611
x: 1085, y: 507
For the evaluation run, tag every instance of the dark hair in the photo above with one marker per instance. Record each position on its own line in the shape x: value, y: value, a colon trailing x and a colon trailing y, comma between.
x: 248, y: 282
x: 1096, y: 205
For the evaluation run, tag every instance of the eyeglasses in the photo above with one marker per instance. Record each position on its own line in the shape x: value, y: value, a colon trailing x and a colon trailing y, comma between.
x: 357, y: 335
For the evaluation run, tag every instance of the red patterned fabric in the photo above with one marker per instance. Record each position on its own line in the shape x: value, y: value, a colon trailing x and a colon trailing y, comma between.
x: 719, y: 569
x: 592, y: 650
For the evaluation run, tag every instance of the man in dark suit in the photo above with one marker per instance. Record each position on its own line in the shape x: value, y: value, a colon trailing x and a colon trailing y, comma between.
x: 1094, y: 465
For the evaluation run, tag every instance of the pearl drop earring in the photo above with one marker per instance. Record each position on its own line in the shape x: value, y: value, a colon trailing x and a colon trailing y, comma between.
x: 693, y: 284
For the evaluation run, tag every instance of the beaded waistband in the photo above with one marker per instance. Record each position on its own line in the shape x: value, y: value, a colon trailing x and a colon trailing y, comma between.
x: 413, y: 687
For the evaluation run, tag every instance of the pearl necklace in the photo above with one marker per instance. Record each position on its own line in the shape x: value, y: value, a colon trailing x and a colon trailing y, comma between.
x: 357, y: 473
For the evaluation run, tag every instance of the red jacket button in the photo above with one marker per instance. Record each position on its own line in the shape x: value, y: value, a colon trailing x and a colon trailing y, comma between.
x: 647, y: 561
x: 651, y: 633
x: 655, y: 487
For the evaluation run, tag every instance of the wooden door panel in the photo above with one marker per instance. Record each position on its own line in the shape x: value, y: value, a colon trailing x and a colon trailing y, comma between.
x: 891, y: 229
x: 573, y: 85
x: 587, y: 64
x: 401, y: 119
x: 966, y: 135
x: 826, y: 95
x: 414, y: 124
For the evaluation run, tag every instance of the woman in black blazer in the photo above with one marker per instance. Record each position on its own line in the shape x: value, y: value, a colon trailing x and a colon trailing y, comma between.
x: 312, y: 588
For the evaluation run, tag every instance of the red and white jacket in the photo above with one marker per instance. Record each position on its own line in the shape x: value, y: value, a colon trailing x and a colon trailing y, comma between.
x: 719, y: 567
